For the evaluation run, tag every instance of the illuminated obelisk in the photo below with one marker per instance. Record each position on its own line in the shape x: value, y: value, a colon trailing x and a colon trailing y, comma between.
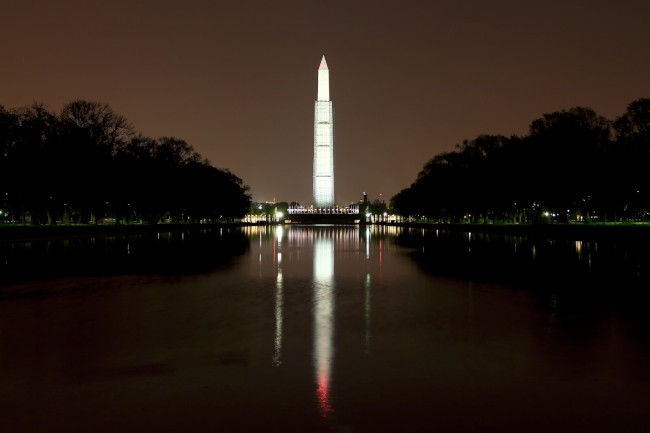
x: 323, y: 142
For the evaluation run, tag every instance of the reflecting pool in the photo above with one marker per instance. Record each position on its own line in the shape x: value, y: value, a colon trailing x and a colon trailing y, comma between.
x: 324, y: 328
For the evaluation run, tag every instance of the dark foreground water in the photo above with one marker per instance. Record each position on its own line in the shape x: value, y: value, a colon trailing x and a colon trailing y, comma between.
x: 312, y: 329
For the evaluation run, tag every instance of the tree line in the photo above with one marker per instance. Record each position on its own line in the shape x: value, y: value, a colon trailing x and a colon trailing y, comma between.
x: 572, y: 165
x: 87, y: 165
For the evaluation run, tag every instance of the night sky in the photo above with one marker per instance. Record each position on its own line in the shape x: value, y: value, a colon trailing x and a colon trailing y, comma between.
x: 409, y: 79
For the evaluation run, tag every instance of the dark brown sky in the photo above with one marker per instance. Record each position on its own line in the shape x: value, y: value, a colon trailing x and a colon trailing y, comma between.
x: 409, y: 79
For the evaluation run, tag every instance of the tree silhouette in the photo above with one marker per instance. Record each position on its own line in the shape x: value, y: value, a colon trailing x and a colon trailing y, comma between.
x: 572, y: 163
x: 86, y: 165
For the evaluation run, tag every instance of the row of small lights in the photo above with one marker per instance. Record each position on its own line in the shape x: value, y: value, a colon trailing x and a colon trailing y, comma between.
x: 279, y: 215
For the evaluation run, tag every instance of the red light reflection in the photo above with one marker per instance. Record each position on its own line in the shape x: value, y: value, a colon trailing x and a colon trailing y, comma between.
x: 322, y: 393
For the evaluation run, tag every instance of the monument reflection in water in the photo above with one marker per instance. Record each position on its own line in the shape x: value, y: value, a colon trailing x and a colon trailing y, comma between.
x: 312, y: 256
x: 323, y: 307
x: 323, y: 319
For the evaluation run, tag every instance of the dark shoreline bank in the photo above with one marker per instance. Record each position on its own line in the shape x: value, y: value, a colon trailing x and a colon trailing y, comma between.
x: 622, y: 232
x: 28, y: 233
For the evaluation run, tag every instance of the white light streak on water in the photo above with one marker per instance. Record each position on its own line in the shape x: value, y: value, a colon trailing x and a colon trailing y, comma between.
x: 323, y: 321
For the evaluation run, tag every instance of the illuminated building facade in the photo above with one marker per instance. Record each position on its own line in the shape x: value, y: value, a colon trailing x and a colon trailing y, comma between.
x: 323, y: 141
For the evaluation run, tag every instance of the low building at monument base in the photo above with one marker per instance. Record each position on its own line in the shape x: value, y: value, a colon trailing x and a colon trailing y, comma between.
x: 325, y: 215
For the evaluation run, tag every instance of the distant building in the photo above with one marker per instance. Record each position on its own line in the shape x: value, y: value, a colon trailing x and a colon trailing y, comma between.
x: 323, y: 142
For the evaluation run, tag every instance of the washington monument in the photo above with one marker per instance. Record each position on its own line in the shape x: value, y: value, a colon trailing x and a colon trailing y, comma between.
x: 323, y: 141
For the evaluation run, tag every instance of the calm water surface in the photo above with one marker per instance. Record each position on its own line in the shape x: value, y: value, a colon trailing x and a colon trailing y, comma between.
x: 323, y: 329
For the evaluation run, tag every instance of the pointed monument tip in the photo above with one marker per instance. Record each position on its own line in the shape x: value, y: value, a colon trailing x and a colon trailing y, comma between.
x: 323, y: 63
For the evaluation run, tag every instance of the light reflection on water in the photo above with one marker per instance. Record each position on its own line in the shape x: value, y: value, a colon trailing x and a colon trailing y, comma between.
x: 341, y: 325
x: 277, y: 352
x: 324, y: 292
x: 366, y: 308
